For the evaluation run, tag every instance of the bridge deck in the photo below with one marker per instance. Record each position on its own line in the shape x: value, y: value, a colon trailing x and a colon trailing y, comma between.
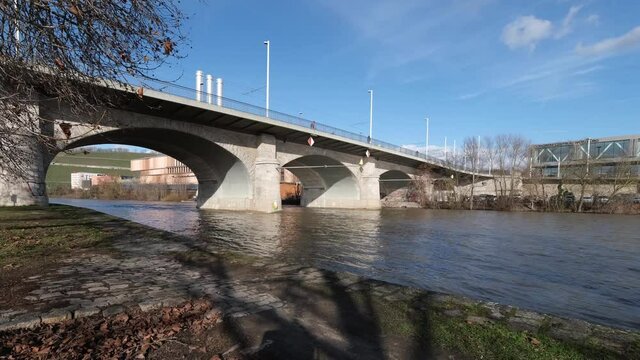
x: 177, y: 102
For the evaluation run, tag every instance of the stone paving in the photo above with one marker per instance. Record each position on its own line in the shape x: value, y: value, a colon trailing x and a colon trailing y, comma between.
x: 145, y: 275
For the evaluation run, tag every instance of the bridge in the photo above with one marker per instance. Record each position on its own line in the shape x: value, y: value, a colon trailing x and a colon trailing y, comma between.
x: 236, y: 150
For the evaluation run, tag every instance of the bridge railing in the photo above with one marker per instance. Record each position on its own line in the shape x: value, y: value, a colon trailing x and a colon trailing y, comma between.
x: 192, y: 94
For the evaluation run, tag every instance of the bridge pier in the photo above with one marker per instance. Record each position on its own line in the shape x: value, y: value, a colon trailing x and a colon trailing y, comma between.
x: 266, y: 176
x: 23, y: 168
x: 370, y: 186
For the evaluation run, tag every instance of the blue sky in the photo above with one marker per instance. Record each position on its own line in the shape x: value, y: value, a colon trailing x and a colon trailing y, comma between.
x: 550, y: 70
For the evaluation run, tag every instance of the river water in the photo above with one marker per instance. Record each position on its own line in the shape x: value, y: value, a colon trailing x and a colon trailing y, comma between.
x: 575, y: 265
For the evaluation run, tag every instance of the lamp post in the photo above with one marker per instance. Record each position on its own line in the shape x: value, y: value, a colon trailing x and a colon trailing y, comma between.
x: 426, y: 147
x: 268, y: 43
x: 370, y: 115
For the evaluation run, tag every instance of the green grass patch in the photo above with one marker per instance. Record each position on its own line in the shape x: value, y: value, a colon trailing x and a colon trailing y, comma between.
x: 497, y: 341
x: 31, y: 233
x: 475, y: 341
x: 61, y: 174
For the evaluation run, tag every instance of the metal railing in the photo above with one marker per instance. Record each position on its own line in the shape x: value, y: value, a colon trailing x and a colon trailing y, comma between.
x: 313, y: 126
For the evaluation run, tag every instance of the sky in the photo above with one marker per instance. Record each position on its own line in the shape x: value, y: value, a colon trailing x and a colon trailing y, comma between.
x: 550, y: 70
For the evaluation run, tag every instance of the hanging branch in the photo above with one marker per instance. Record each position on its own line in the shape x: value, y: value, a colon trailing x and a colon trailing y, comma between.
x: 54, y: 50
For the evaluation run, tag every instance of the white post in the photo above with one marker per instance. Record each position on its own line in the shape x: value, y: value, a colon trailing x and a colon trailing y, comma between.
x: 219, y: 91
x: 558, y: 169
x: 199, y: 85
x: 426, y: 148
x: 17, y: 32
x: 588, y: 153
x: 445, y: 148
x: 268, y: 43
x: 370, y: 116
x: 454, y: 151
x: 209, y: 89
x: 478, y: 160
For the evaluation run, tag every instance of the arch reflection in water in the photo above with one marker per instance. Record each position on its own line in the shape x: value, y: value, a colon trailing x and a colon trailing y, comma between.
x: 286, y: 235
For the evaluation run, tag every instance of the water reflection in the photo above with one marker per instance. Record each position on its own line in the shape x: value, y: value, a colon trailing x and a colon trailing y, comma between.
x: 577, y: 265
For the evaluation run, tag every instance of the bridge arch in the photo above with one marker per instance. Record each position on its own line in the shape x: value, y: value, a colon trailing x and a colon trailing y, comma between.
x: 326, y: 182
x: 223, y: 179
x: 394, y: 183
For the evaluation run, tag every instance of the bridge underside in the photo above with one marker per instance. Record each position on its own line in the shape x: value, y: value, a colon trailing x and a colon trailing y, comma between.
x: 223, y: 180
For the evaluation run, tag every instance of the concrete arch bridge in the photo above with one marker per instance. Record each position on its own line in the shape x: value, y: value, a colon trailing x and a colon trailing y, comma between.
x: 235, y: 154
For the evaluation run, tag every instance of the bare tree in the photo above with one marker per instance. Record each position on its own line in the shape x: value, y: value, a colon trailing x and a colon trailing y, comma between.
x: 471, y: 148
x: 511, y: 153
x: 502, y: 163
x: 581, y: 178
x: 55, y: 50
x: 518, y: 151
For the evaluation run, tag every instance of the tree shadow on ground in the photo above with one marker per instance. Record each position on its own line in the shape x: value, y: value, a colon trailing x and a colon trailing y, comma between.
x: 323, y: 319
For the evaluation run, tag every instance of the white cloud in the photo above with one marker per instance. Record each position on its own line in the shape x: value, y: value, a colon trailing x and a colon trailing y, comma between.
x: 566, y: 28
x: 401, y: 34
x: 526, y: 31
x: 613, y: 45
x: 593, y: 19
x: 588, y: 70
x: 560, y: 78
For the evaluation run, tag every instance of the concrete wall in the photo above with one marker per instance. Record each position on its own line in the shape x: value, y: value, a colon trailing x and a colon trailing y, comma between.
x: 23, y: 170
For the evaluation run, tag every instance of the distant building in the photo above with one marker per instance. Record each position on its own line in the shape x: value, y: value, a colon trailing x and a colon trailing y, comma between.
x: 108, y: 179
x: 290, y: 187
x: 82, y: 180
x: 163, y: 170
x: 602, y: 157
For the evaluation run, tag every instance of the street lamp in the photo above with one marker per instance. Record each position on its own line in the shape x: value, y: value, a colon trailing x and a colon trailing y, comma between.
x: 426, y: 147
x: 370, y: 115
x: 268, y: 43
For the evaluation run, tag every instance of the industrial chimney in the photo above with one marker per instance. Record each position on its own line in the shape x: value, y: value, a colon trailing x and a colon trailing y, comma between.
x: 209, y: 89
x: 219, y: 91
x: 199, y: 85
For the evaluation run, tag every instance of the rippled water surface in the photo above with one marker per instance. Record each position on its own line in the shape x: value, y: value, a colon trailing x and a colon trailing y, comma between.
x: 576, y: 265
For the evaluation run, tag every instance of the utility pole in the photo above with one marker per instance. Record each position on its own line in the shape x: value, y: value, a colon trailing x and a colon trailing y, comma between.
x: 370, y: 116
x: 268, y: 43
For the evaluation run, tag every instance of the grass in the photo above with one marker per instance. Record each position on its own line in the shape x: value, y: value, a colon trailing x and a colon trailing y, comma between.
x: 58, y: 174
x: 493, y: 340
x: 32, y: 234
x: 497, y: 341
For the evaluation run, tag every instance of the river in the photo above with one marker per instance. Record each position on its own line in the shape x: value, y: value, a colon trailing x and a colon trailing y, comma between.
x: 582, y: 266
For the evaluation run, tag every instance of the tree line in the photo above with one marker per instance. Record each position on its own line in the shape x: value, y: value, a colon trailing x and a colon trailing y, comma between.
x: 517, y: 184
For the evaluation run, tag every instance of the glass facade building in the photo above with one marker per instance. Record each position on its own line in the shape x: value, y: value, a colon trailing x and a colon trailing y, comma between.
x: 604, y: 157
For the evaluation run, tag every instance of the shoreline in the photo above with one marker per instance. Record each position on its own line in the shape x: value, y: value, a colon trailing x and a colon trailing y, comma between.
x: 390, y: 205
x: 446, y: 314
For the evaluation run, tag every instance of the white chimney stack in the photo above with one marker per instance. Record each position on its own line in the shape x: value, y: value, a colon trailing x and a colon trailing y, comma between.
x: 219, y: 91
x: 199, y: 85
x: 209, y: 89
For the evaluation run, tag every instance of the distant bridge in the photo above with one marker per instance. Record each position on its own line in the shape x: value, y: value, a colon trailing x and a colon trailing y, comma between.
x: 236, y: 151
